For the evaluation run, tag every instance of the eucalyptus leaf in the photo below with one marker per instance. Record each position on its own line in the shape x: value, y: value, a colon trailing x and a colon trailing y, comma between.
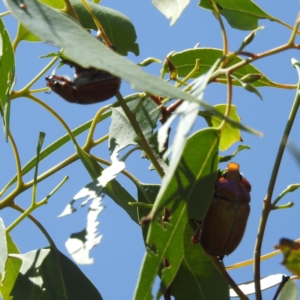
x: 243, y: 15
x: 60, y: 30
x: 181, y: 198
x: 7, y: 76
x: 230, y: 134
x: 12, y: 268
x: 184, y: 62
x: 48, y: 275
x: 121, y: 133
x: 197, y: 274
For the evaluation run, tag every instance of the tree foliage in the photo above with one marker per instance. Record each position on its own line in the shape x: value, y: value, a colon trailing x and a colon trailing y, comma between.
x: 159, y: 120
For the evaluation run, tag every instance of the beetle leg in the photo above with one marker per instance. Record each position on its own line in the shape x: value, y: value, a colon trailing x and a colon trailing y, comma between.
x: 196, y: 236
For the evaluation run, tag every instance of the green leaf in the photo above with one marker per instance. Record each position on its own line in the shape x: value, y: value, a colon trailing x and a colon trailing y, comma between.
x: 117, y: 26
x: 121, y: 133
x: 181, y: 197
x: 171, y: 9
x: 230, y: 134
x: 197, y: 274
x: 7, y: 75
x: 231, y: 156
x: 184, y: 62
x: 243, y: 15
x: 3, y: 250
x: 289, y: 291
x: 48, y: 275
x: 12, y: 269
x: 87, y: 51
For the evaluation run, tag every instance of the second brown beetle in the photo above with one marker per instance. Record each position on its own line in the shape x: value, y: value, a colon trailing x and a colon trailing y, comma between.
x: 89, y: 85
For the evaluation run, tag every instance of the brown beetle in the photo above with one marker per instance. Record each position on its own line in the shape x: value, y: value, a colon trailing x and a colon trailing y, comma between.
x: 89, y: 85
x: 224, y: 224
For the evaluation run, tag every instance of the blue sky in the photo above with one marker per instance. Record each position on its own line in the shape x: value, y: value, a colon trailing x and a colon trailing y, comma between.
x: 119, y: 256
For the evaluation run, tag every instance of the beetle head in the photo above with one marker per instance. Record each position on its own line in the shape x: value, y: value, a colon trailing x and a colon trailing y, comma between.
x: 61, y: 86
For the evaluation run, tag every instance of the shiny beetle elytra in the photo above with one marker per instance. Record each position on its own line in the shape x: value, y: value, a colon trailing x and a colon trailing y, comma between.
x: 89, y: 85
x: 224, y: 224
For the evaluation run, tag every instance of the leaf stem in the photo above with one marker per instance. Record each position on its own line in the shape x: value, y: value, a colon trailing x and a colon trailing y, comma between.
x: 17, y: 160
x: 89, y: 140
x: 24, y: 92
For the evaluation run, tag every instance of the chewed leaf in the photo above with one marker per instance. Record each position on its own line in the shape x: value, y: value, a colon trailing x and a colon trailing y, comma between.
x: 185, y: 62
x: 265, y: 283
x: 95, y: 188
x: 230, y: 134
x: 171, y: 9
x: 81, y: 243
x: 291, y: 254
x: 44, y: 269
x: 243, y: 15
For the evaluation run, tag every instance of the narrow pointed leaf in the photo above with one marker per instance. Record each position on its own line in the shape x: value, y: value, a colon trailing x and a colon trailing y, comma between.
x: 48, y: 275
x: 121, y: 133
x: 87, y: 51
x: 3, y: 250
x: 7, y: 75
x: 181, y: 197
x: 230, y: 134
x: 197, y: 274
